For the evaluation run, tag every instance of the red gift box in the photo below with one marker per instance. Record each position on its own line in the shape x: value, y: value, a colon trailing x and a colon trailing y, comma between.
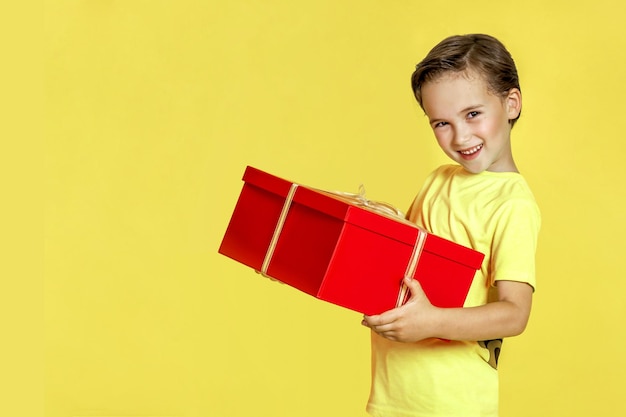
x: 339, y: 249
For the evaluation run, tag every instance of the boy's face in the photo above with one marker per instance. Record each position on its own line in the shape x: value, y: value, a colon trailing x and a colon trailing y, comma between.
x: 471, y: 124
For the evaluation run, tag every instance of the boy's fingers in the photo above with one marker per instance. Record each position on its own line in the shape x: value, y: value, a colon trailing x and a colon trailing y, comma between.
x: 414, y: 286
x: 412, y: 283
x: 387, y: 317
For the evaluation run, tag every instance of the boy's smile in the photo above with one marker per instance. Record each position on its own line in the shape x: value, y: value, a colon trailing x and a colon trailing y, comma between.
x: 471, y: 123
x: 471, y: 153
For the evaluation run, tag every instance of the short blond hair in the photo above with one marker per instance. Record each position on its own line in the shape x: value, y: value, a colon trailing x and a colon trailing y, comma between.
x: 484, y: 54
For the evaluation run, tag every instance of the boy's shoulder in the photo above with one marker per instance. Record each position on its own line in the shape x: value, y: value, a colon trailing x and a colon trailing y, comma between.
x: 444, y: 171
x: 456, y: 172
x: 493, y: 186
x: 447, y: 168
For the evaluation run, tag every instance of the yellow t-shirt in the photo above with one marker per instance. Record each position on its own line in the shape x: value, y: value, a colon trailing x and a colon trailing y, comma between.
x: 493, y: 213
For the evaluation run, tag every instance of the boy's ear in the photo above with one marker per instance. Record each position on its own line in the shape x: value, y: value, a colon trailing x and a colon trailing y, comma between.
x: 513, y: 103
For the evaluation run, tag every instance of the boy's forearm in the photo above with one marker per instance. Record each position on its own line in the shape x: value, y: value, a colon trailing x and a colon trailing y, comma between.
x: 491, y: 321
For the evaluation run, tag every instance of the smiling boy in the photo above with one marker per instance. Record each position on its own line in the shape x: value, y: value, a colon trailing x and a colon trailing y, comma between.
x: 435, y: 362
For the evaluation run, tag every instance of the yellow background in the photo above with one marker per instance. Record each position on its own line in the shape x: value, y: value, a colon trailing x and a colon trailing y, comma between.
x: 152, y: 110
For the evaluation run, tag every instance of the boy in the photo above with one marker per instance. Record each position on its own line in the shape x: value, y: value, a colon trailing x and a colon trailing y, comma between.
x: 429, y: 361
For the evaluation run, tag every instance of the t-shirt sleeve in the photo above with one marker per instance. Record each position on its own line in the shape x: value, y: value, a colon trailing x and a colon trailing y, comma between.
x: 515, y: 242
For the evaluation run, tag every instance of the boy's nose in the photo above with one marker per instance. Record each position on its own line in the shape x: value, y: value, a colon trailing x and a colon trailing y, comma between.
x: 462, y: 135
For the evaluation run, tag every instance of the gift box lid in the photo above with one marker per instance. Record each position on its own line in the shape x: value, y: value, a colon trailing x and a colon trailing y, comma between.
x: 353, y: 212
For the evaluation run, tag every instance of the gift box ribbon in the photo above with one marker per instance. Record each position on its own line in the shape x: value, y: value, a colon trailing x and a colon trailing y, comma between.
x: 278, y: 229
x: 358, y: 200
x: 403, y: 294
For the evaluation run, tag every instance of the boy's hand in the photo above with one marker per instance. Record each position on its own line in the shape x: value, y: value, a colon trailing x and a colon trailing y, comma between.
x: 413, y: 321
x: 418, y: 319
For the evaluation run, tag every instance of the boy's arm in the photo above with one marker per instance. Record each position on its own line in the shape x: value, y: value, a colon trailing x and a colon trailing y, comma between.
x: 418, y: 319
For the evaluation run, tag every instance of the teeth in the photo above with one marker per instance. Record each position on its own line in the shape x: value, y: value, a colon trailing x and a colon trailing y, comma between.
x: 472, y: 150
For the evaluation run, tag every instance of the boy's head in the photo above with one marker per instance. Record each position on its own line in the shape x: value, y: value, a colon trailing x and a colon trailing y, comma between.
x: 482, y: 54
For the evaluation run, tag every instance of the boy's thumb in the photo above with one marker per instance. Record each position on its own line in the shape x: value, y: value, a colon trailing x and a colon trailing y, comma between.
x: 413, y: 285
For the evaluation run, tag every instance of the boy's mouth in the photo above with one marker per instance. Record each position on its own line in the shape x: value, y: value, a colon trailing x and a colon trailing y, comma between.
x: 471, y: 151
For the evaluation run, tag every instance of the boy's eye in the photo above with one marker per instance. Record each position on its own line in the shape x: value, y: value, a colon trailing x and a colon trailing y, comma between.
x: 440, y: 124
x: 472, y: 114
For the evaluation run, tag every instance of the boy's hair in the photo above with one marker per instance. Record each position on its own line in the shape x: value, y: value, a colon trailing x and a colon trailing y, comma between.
x: 483, y: 54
